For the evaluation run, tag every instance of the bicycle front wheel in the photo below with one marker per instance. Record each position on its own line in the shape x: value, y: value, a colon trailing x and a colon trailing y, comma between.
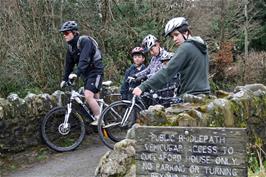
x: 59, y: 136
x: 111, y: 127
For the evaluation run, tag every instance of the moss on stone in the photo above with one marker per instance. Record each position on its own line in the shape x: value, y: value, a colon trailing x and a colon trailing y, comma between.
x: 244, y: 108
x: 20, y: 120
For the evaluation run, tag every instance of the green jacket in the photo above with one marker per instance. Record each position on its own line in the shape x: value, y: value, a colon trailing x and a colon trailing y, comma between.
x: 192, y: 62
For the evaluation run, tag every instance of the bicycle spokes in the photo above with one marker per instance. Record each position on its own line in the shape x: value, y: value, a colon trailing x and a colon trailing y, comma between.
x: 62, y: 136
x: 115, y: 121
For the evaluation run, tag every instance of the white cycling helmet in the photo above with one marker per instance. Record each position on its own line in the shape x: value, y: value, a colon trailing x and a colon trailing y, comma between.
x: 166, y: 56
x: 175, y: 23
x: 148, y: 42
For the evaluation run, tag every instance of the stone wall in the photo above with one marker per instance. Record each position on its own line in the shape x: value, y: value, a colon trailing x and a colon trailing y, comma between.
x: 20, y: 119
x: 245, y: 107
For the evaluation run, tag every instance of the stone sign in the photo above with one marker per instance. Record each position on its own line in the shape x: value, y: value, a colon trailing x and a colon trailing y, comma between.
x: 190, y: 152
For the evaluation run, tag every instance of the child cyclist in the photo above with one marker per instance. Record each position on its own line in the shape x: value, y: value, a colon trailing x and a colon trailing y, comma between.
x: 138, y: 57
x: 190, y: 59
x: 173, y: 85
x: 152, y: 45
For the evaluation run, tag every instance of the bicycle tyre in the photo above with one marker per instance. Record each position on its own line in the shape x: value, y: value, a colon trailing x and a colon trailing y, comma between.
x: 109, y: 136
x: 52, y: 124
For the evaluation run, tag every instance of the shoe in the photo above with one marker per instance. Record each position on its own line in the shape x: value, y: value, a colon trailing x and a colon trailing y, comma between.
x: 95, y: 122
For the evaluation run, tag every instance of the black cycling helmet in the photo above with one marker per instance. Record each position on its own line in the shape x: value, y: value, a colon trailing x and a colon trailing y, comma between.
x: 69, y: 26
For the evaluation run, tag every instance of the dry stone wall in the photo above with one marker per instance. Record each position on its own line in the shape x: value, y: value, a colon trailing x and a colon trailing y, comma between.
x: 20, y: 119
x: 243, y: 108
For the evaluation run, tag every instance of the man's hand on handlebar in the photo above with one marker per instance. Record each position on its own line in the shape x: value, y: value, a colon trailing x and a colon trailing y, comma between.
x: 71, y: 79
x: 137, y: 91
x: 63, y: 84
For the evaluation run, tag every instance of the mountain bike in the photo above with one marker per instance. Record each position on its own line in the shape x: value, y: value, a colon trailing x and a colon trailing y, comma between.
x: 120, y: 116
x: 63, y: 128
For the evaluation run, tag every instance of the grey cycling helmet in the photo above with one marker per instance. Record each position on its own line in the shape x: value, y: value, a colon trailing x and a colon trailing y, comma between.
x: 166, y: 56
x: 69, y: 26
x: 179, y: 23
x: 148, y: 42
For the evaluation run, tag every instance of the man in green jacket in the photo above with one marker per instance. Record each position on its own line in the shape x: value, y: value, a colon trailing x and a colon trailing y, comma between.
x: 190, y: 60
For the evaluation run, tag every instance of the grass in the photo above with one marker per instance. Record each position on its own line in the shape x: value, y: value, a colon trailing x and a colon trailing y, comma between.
x: 256, y: 174
x: 11, y: 162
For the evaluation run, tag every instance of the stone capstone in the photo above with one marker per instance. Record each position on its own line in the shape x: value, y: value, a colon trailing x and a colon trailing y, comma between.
x: 243, y: 108
x: 119, y: 162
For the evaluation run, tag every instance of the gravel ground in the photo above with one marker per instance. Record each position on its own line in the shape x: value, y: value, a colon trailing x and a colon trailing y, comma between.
x: 79, y: 163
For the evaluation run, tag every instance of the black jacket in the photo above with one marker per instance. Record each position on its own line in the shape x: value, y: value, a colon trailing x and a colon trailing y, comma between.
x: 131, y: 71
x: 87, y: 65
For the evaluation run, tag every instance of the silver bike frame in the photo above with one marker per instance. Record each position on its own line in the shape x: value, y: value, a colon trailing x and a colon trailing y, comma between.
x: 76, y: 96
x: 128, y: 111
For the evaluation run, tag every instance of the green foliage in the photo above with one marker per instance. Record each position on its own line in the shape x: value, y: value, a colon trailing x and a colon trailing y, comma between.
x: 32, y: 51
x: 20, y: 89
x: 42, y: 154
x: 259, y: 42
x: 256, y: 159
x: 214, y: 86
x: 253, y: 162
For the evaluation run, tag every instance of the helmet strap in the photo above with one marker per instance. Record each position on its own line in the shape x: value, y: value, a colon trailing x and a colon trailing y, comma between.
x: 159, y: 52
x: 185, y: 37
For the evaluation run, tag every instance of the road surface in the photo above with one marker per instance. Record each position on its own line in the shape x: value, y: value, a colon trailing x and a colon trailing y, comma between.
x: 79, y: 163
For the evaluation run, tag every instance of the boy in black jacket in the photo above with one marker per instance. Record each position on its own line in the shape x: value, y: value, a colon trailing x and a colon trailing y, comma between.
x: 138, y: 58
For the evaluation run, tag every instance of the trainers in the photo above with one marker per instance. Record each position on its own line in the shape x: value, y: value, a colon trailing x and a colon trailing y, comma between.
x: 95, y: 122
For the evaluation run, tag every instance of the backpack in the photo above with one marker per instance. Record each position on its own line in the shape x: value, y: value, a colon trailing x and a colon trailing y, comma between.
x: 97, y: 54
x: 85, y: 36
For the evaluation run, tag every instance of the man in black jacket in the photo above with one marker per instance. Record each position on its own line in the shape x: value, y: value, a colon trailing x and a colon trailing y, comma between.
x: 83, y: 51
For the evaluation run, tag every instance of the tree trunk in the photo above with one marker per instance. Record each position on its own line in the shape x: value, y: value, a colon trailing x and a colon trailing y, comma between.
x: 246, y: 28
x: 246, y: 38
x: 223, y: 12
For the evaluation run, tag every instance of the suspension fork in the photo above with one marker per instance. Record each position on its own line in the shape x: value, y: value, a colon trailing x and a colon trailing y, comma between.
x: 128, y: 111
x: 69, y: 109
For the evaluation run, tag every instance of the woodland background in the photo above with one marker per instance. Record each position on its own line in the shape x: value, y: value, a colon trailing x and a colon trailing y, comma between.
x: 32, y: 50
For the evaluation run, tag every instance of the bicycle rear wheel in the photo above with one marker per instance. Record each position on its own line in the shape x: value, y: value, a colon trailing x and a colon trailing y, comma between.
x: 58, y: 137
x: 110, y: 126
